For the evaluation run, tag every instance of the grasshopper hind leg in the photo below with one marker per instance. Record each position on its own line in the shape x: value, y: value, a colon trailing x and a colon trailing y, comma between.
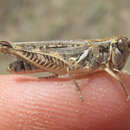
x: 110, y: 72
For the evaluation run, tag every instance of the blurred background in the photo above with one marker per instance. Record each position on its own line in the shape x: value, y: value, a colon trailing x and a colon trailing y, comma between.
x: 33, y: 20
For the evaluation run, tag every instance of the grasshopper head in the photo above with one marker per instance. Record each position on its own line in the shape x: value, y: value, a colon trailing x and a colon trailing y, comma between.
x: 4, y: 47
x: 120, y: 52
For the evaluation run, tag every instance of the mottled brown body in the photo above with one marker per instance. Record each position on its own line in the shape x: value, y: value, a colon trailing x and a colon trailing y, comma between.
x: 69, y: 57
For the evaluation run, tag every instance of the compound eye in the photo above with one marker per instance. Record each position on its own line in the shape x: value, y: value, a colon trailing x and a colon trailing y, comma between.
x: 5, y: 43
x: 120, y: 41
x: 128, y: 45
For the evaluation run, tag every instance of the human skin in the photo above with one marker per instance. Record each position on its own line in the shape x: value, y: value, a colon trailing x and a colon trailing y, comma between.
x: 28, y: 103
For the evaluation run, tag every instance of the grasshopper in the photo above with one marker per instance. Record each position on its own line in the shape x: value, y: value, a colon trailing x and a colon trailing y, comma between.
x: 70, y: 57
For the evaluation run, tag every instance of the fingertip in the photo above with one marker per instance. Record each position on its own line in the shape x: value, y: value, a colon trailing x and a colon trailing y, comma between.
x: 55, y: 104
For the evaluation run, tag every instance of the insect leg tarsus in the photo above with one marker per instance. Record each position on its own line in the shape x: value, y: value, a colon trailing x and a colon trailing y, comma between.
x: 110, y: 72
x: 76, y: 84
x: 78, y: 88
